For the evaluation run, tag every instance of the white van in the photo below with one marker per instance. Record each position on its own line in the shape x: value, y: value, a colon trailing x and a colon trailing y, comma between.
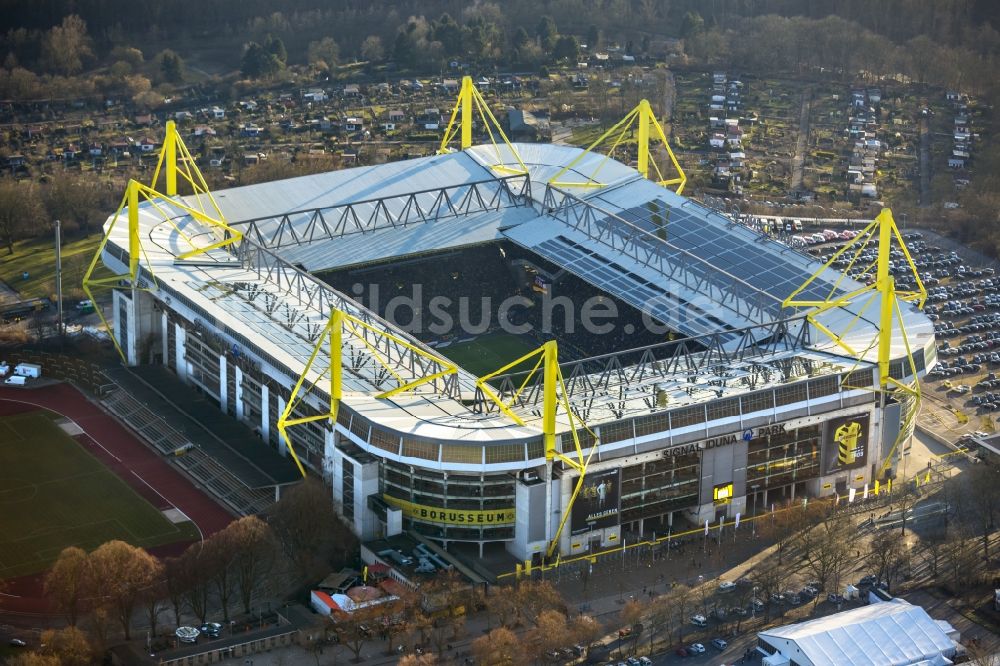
x: 797, y: 225
x: 16, y: 380
x: 28, y: 370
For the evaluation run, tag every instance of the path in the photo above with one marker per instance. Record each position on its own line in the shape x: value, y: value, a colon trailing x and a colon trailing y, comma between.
x: 802, y: 142
x: 925, y: 161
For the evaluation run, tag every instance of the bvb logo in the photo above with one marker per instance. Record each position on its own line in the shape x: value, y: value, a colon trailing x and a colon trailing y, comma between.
x: 846, y: 437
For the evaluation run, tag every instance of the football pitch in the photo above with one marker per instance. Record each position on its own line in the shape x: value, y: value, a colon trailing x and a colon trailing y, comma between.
x: 54, y: 494
x: 490, y: 352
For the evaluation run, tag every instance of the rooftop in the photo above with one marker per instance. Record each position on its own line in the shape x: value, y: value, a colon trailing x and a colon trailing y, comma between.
x: 894, y: 633
x: 696, y: 270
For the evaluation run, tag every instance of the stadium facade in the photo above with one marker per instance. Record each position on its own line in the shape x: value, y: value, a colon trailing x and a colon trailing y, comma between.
x: 740, y: 405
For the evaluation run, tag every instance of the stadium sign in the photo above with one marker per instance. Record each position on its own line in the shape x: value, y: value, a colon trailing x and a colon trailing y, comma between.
x: 725, y: 440
x: 436, y: 514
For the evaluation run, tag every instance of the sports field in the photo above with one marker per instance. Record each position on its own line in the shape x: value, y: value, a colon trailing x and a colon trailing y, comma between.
x: 488, y: 353
x: 54, y: 494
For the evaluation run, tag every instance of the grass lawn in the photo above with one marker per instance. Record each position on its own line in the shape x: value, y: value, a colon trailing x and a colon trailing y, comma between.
x: 54, y: 494
x: 486, y: 354
x: 37, y: 256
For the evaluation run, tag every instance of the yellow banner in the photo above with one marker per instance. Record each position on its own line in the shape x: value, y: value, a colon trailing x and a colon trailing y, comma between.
x: 435, y: 514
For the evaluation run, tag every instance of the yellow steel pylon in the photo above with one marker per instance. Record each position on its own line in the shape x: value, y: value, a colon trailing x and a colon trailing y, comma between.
x: 642, y: 115
x: 332, y: 337
x: 881, y: 230
x: 167, y: 206
x: 553, y: 395
x: 469, y: 103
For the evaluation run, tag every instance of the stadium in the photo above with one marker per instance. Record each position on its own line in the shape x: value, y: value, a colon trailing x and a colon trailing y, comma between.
x: 652, y: 374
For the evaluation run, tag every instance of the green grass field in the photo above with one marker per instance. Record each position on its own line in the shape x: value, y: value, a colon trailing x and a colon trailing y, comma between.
x: 489, y: 353
x: 54, y: 494
x: 37, y: 256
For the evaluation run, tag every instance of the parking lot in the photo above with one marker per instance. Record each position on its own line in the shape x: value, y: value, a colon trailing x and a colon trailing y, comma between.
x: 962, y: 393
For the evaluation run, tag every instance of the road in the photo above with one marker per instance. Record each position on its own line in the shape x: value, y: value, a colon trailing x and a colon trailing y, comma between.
x: 925, y: 161
x: 802, y: 141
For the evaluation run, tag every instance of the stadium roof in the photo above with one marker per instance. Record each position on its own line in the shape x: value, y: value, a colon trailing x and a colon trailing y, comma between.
x: 702, y: 274
x: 894, y: 633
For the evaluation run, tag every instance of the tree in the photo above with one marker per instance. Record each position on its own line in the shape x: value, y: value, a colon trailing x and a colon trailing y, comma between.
x: 983, y: 488
x: 631, y: 618
x: 449, y: 33
x: 785, y: 525
x: 69, y: 645
x: 152, y: 596
x: 500, y: 647
x: 66, y: 46
x: 826, y: 549
x: 276, y: 48
x: 593, y: 39
x: 254, y: 548
x: 66, y: 582
x: 324, y: 53
x: 566, y: 48
x: 886, y: 554
x: 548, y: 633
x: 261, y: 61
x: 175, y: 584
x: 310, y: 532
x: 77, y: 203
x: 217, y: 557
x: 371, y: 49
x: 20, y: 211
x: 197, y: 580
x: 547, y: 33
x: 769, y: 577
x: 354, y: 630
x: 120, y: 574
x: 428, y: 659
x: 171, y: 66
x: 692, y: 24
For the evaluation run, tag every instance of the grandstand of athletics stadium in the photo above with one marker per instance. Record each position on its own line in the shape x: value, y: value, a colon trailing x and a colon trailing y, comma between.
x: 513, y: 350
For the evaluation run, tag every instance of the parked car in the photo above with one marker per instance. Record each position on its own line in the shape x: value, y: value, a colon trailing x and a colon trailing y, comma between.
x: 211, y: 629
x: 699, y: 620
x: 17, y: 642
x: 727, y: 586
x: 696, y: 648
x: 719, y: 644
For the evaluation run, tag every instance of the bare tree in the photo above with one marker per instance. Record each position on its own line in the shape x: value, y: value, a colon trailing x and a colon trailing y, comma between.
x: 310, y: 532
x: 175, y: 583
x: 886, y: 554
x: 254, y: 548
x: 20, y: 210
x: 354, y: 628
x: 153, y: 594
x: 197, y: 580
x: 826, y: 549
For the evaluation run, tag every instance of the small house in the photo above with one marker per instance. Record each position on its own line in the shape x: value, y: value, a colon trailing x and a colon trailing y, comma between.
x: 719, y: 77
x: 218, y: 113
x: 96, y: 150
x: 182, y: 115
x: 315, y: 95
x: 352, y: 90
x: 250, y: 130
x: 147, y: 145
x: 717, y: 140
x: 953, y: 95
x: 353, y: 124
x: 203, y: 130
x: 450, y: 86
x: 956, y: 162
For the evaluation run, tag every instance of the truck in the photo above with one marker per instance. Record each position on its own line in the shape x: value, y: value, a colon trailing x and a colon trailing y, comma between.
x: 28, y: 370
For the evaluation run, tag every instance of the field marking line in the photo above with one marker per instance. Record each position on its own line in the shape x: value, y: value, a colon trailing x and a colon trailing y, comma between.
x: 49, y: 409
x: 201, y: 535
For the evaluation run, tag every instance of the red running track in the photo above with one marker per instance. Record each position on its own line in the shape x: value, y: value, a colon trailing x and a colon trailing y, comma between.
x: 118, y: 448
